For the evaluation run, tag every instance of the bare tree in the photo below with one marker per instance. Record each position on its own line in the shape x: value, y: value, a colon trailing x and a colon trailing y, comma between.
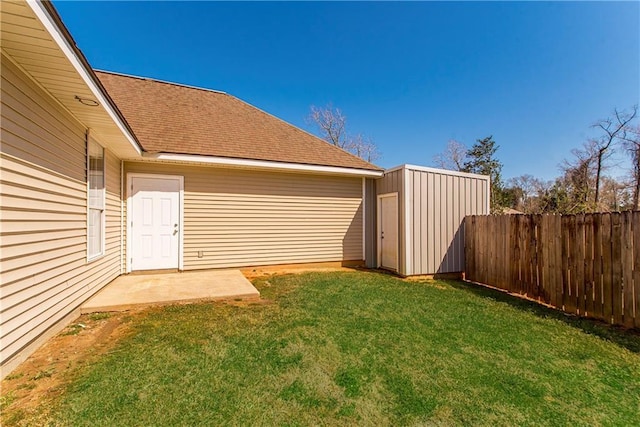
x: 453, y: 157
x: 613, y: 128
x: 529, y: 193
x: 362, y: 147
x: 331, y: 123
x: 332, y: 126
x: 631, y: 143
x: 615, y: 195
x: 579, y: 176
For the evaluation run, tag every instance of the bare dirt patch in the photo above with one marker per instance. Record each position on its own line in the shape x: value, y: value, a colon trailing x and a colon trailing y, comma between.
x: 28, y: 391
x: 257, y: 272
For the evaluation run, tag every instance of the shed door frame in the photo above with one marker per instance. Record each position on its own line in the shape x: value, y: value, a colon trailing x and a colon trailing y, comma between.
x: 180, y: 179
x: 394, y: 196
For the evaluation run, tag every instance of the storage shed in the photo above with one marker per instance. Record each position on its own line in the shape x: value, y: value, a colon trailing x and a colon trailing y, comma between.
x: 419, y: 219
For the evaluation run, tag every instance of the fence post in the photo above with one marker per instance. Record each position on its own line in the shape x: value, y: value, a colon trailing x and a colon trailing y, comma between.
x: 469, y: 249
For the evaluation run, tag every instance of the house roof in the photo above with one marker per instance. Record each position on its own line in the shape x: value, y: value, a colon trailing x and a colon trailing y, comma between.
x: 34, y: 38
x: 173, y: 118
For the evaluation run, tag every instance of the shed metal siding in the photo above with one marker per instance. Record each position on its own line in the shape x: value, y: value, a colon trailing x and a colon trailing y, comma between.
x: 44, y: 274
x: 438, y: 203
x: 371, y: 242
x: 393, y: 182
x: 249, y: 217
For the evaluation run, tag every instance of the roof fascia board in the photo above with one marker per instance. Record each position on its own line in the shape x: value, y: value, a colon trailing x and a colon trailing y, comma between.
x: 60, y: 36
x: 260, y: 164
x: 436, y: 170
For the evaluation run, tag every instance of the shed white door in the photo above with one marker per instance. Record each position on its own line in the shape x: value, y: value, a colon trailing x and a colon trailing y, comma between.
x: 388, y: 233
x: 155, y: 223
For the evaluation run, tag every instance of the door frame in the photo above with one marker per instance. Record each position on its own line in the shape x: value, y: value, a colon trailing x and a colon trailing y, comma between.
x: 379, y: 229
x: 180, y: 179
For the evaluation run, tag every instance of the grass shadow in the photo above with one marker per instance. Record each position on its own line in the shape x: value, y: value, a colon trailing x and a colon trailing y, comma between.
x: 627, y: 338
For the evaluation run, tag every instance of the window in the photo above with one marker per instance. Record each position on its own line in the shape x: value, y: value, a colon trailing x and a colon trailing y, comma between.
x: 96, y: 196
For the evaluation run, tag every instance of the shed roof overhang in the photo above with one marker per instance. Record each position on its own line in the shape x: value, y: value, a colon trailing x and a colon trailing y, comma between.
x: 34, y: 38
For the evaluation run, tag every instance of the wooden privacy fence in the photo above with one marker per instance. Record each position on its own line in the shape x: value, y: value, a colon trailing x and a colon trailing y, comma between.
x: 586, y: 264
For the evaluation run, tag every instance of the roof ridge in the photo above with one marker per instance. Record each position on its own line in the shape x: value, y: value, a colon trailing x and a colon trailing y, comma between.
x: 152, y: 79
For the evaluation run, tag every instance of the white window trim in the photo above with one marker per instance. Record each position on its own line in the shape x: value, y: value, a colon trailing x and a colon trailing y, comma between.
x: 102, y: 253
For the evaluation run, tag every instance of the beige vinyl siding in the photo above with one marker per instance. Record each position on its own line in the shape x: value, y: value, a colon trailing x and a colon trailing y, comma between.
x: 249, y: 217
x: 44, y: 273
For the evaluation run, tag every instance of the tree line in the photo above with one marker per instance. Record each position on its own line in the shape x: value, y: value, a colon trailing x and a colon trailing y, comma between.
x: 582, y: 186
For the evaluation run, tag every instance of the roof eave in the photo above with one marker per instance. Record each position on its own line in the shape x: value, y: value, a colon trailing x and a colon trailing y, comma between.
x: 48, y: 15
x: 261, y: 164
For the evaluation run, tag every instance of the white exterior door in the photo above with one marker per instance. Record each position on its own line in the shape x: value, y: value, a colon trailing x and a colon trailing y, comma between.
x: 388, y: 231
x: 154, y: 222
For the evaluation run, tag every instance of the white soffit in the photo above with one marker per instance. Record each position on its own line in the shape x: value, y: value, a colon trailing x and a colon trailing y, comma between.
x: 33, y: 39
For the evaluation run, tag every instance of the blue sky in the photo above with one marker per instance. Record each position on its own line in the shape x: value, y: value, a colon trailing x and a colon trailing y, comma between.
x: 409, y: 75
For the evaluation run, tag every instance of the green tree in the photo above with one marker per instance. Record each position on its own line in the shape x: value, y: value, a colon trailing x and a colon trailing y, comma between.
x: 482, y: 160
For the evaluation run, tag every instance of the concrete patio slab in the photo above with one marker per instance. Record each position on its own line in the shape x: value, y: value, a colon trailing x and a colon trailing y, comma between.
x: 135, y: 290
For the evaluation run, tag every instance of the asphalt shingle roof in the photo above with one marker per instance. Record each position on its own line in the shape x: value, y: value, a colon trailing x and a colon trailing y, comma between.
x: 172, y: 118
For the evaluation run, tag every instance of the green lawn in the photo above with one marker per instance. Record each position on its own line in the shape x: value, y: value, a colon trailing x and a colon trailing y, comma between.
x: 361, y: 348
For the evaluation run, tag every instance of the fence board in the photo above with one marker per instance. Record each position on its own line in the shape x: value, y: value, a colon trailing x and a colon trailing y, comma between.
x: 483, y: 245
x: 636, y: 268
x: 529, y: 265
x: 588, y: 264
x: 578, y: 244
x: 514, y: 243
x: 598, y: 305
x: 627, y: 269
x: 607, y: 268
x: 584, y: 264
x: 616, y: 261
x: 540, y: 252
x: 572, y: 301
x: 557, y: 260
x: 564, y: 251
x: 551, y: 279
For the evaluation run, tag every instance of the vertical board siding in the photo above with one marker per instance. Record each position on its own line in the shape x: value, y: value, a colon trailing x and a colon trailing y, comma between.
x: 371, y: 220
x: 439, y: 204
x: 44, y: 273
x: 431, y: 231
x: 585, y: 264
x: 243, y: 218
x: 392, y: 182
